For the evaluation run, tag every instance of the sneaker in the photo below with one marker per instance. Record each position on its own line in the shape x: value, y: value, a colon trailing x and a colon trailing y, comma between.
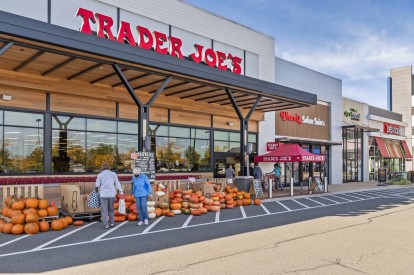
x: 112, y: 225
x: 146, y: 222
x: 106, y: 226
x: 139, y: 224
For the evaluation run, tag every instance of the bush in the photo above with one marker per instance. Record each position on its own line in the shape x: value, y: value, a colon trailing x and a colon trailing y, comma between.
x: 399, y: 182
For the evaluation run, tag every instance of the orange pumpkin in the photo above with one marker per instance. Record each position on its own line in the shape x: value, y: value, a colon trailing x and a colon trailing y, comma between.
x: 64, y: 222
x: 2, y: 223
x: 4, y: 211
x: 57, y: 225
x: 227, y: 197
x: 233, y: 195
x: 14, y: 212
x: 32, y: 217
x: 246, y: 196
x: 116, y: 206
x: 178, y: 195
x: 215, y: 198
x: 43, y: 204
x: 229, y: 189
x: 52, y: 211
x: 175, y: 206
x: 188, y: 192
x: 257, y: 201
x: 196, y: 212
x: 77, y: 223
x: 239, y: 202
x: 194, y: 205
x: 202, y: 198
x: 208, y: 207
x: 132, y: 217
x: 17, y: 229
x: 234, y: 203
x: 246, y: 201
x: 208, y: 201
x: 32, y: 203
x: 120, y: 218
x: 42, y: 213
x: 31, y: 228
x: 221, y: 195
x: 164, y: 205
x: 18, y: 219
x: 171, y: 195
x: 203, y: 210
x: 186, y: 197
x: 164, y: 212
x: 29, y: 210
x: 222, y: 205
x: 216, y: 203
x: 170, y: 214
x: 229, y: 206
x: 194, y: 199
x: 18, y: 205
x: 235, y: 190
x: 229, y: 202
x: 158, y: 212
x: 215, y: 208
x: 178, y: 191
x: 198, y: 193
x: 43, y: 226
x: 223, y: 200
x: 10, y: 200
x: 7, y: 228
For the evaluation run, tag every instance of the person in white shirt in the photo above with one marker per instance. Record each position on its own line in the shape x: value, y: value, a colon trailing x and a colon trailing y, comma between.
x: 108, y: 182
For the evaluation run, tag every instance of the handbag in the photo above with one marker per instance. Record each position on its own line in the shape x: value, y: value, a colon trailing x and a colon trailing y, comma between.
x: 94, y: 200
x: 121, y: 206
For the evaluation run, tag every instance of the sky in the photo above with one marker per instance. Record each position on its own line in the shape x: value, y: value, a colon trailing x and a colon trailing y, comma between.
x: 357, y: 41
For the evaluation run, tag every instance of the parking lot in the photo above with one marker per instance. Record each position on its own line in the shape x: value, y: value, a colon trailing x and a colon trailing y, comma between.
x: 184, y: 229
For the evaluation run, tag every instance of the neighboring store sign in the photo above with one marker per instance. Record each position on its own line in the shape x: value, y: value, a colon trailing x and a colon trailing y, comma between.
x: 157, y: 41
x: 146, y: 162
x: 286, y: 116
x: 391, y: 129
x: 271, y: 146
x: 353, y: 114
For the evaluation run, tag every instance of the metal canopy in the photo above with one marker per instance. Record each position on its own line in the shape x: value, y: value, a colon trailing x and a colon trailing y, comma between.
x: 34, y: 47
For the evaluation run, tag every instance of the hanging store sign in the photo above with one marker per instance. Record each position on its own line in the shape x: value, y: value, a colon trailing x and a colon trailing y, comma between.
x: 353, y: 114
x: 271, y: 146
x: 156, y: 41
x: 286, y: 116
x: 391, y: 129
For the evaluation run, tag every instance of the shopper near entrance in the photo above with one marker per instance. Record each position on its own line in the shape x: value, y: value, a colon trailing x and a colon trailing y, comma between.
x: 141, y: 189
x: 230, y: 174
x: 277, y: 171
x: 257, y: 172
x: 108, y: 182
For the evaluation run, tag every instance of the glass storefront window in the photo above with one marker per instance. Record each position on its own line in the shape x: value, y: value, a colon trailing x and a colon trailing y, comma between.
x: 220, y: 135
x: 127, y: 144
x: 252, y: 138
x: 66, y: 122
x: 23, y: 119
x: 200, y: 133
x: 179, y: 132
x: 68, y: 151
x: 101, y: 125
x: 128, y: 127
x: 158, y: 130
x: 1, y: 149
x: 100, y: 149
x: 1, y: 117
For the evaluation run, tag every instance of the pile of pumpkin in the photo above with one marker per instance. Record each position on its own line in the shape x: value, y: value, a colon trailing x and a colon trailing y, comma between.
x: 24, y: 215
x: 131, y: 209
x: 239, y: 198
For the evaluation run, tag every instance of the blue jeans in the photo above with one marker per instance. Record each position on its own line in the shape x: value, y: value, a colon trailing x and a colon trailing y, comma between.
x: 142, y: 208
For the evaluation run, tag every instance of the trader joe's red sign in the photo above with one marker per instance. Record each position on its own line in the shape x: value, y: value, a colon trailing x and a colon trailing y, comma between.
x: 156, y: 41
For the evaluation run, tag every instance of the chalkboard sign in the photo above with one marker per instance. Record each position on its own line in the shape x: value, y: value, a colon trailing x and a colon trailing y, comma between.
x: 146, y: 162
x: 257, y: 186
x: 382, y: 175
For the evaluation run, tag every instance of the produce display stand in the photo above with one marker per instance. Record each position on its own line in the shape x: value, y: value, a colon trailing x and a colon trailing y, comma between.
x: 48, y: 218
x: 82, y: 216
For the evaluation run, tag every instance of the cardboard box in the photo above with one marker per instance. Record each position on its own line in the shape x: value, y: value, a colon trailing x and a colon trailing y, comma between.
x: 206, y: 189
x: 73, y: 200
x: 160, y: 199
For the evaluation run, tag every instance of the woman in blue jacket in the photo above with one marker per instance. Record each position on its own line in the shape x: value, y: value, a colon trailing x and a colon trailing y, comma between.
x: 141, y: 188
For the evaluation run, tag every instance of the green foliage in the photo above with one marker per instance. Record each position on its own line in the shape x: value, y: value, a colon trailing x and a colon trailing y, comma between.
x: 399, y: 182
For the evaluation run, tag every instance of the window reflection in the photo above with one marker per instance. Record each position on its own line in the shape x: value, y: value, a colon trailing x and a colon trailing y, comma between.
x: 100, y: 150
x: 127, y: 144
x: 68, y: 151
x: 23, y: 119
x: 66, y: 122
x: 101, y: 125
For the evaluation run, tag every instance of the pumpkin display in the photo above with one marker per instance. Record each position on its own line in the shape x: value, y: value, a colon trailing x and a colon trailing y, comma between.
x: 32, y: 203
x: 18, y: 219
x: 175, y: 206
x: 64, y: 222
x: 247, y: 196
x: 2, y: 223
x: 152, y: 215
x: 176, y: 212
x: 32, y: 217
x: 77, y: 223
x: 223, y: 205
x: 185, y: 204
x: 239, y: 202
x: 52, y: 211
x: 42, y: 213
x: 69, y: 219
x: 4, y: 211
x: 10, y: 200
x: 151, y: 203
x: 120, y: 218
x: 157, y: 212
x: 43, y: 204
x: 17, y: 229
x: 56, y: 225
x: 257, y: 201
x: 164, y: 212
x: 18, y: 205
x: 7, y: 228
x: 246, y: 201
x: 208, y: 201
x: 235, y: 190
x: 203, y: 210
x: 178, y: 191
x: 215, y: 208
x: 44, y: 226
x: 29, y: 210
x: 188, y: 192
x: 170, y: 214
x: 132, y: 217
x: 164, y: 205
x: 150, y: 209
x: 215, y: 198
x: 229, y: 206
x: 217, y: 203
x: 186, y: 211
x: 31, y: 228
x: 196, y: 212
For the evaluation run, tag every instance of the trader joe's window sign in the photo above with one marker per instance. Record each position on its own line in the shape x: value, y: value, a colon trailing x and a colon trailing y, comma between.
x: 286, y: 116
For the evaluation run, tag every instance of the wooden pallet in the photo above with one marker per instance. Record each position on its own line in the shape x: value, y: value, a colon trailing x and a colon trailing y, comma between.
x: 49, y: 218
x: 82, y: 216
x: 4, y: 218
x: 26, y: 190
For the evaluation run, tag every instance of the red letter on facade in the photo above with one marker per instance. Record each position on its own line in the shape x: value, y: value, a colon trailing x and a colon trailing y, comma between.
x: 210, y: 57
x: 221, y: 58
x: 175, y: 47
x: 160, y: 40
x: 198, y: 55
x: 236, y: 65
x: 104, y: 26
x: 145, y: 38
x: 125, y: 34
x: 86, y: 16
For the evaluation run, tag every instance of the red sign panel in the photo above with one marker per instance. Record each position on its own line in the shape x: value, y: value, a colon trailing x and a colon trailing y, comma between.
x: 156, y: 41
x: 271, y: 146
x: 391, y: 129
x: 316, y: 158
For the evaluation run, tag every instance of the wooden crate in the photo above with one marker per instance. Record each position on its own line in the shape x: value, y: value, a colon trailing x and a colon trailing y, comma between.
x: 25, y: 191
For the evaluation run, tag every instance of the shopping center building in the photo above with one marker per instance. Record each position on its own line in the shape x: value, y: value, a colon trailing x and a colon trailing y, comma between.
x: 87, y: 82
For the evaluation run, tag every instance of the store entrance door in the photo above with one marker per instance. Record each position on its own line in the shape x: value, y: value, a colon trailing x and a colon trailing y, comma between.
x: 221, y: 160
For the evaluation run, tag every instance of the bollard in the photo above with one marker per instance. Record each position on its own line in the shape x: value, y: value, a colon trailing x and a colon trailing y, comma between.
x: 291, y: 186
x: 326, y: 184
x: 309, y: 184
x: 269, y: 186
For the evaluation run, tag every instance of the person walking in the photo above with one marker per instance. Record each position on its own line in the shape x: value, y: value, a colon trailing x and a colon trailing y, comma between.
x: 230, y: 174
x: 108, y: 182
x: 257, y: 172
x: 141, y: 189
x: 277, y: 171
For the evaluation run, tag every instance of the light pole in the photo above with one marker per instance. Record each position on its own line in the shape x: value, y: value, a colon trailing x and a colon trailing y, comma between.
x: 38, y: 141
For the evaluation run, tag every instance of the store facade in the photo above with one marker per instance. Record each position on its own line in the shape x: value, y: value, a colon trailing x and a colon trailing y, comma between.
x: 85, y: 82
x: 317, y: 128
x: 373, y: 138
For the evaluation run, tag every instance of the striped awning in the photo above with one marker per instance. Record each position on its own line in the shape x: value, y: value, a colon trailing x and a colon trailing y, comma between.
x: 407, y: 151
x: 382, y: 148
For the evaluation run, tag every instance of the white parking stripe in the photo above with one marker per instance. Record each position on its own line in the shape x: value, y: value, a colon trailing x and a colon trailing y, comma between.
x: 316, y: 202
x: 301, y: 204
x: 243, y: 213
x: 287, y: 208
x: 110, y: 231
x: 15, y: 240
x: 187, y: 221
x: 63, y: 236
x: 217, y: 219
x: 329, y: 199
x: 341, y: 198
x: 353, y: 196
x: 366, y: 196
x: 264, y: 208
x: 152, y: 225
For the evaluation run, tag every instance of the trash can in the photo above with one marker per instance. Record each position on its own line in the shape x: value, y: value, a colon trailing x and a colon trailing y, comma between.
x: 243, y: 183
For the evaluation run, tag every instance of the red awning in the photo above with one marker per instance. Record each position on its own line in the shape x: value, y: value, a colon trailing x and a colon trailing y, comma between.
x: 382, y: 148
x: 289, y: 153
x: 406, y: 150
x: 397, y: 151
x: 390, y: 148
